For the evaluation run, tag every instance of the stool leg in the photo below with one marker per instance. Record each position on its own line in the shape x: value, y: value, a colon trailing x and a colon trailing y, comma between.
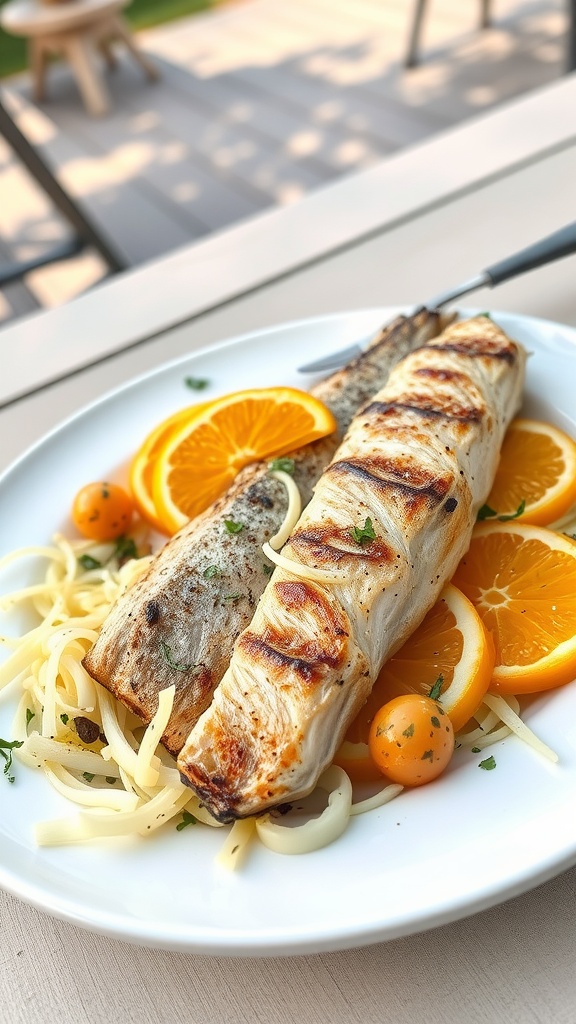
x: 108, y: 54
x: 122, y: 31
x: 485, y: 14
x: 37, y: 60
x: 412, y: 55
x: 81, y: 55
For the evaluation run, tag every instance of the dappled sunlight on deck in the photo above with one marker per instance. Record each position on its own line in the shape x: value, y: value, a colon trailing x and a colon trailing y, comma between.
x: 259, y: 103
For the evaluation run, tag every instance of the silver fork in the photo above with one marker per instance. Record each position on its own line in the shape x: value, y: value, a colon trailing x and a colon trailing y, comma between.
x: 553, y: 247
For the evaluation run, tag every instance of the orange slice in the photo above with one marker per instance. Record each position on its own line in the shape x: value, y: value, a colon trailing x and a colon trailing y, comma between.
x: 522, y: 581
x: 451, y: 643
x: 199, y: 462
x: 142, y: 465
x: 537, y: 467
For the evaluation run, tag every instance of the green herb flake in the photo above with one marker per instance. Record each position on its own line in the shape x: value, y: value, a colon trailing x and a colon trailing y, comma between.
x: 409, y: 731
x: 196, y: 383
x: 232, y: 597
x: 7, y: 747
x: 486, y: 513
x: 428, y: 755
x: 88, y: 562
x: 29, y: 716
x: 212, y: 572
x: 487, y: 315
x: 435, y: 721
x: 488, y: 764
x: 519, y: 511
x: 476, y: 750
x: 232, y: 527
x: 125, y: 550
x: 64, y: 719
x: 111, y: 779
x: 88, y: 776
x: 365, y: 535
x: 187, y: 819
x: 268, y: 569
x: 177, y: 665
x: 282, y: 465
x: 436, y: 690
x: 489, y: 513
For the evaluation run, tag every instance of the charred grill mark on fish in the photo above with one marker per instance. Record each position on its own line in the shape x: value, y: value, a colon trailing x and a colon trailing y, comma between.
x: 330, y: 545
x: 421, y: 405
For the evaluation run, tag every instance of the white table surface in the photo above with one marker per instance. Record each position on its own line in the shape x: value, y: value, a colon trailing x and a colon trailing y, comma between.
x: 399, y: 233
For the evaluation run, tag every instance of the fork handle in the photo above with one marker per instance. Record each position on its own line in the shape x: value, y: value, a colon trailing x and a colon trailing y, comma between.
x: 560, y: 243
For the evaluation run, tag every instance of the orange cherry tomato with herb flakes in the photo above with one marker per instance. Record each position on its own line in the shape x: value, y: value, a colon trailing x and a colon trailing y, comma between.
x: 102, y: 511
x: 411, y: 740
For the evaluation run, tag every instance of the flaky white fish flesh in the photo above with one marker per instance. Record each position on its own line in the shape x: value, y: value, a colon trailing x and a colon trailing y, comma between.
x: 417, y: 463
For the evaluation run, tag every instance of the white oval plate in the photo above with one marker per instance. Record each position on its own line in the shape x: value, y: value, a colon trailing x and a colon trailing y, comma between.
x: 470, y: 840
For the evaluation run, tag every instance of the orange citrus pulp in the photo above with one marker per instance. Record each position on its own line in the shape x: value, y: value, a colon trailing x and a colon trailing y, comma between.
x: 537, y: 467
x: 522, y: 581
x: 198, y: 462
x: 142, y: 465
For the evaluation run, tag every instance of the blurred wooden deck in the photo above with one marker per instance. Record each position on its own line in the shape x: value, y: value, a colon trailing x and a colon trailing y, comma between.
x: 260, y: 102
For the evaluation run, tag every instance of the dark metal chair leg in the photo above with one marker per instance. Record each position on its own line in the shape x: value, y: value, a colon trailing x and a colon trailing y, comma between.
x: 414, y: 41
x: 571, y: 55
x: 85, y: 232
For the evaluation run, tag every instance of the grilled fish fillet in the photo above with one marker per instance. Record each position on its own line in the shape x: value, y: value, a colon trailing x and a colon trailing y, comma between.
x: 179, y: 622
x: 418, y: 462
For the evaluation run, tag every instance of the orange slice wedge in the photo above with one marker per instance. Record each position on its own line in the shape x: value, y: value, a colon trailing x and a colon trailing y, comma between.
x: 450, y: 645
x: 199, y: 462
x: 142, y: 465
x: 522, y: 581
x: 538, y: 468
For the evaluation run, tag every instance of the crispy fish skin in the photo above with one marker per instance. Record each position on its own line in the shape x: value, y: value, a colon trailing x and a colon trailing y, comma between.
x: 418, y: 462
x: 178, y: 624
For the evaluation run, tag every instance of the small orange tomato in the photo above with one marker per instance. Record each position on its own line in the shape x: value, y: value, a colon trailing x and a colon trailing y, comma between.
x: 411, y: 739
x: 102, y: 511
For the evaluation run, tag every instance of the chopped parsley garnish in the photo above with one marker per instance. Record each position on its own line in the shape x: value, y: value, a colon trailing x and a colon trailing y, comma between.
x: 476, y: 750
x: 88, y: 776
x: 212, y: 572
x: 489, y: 513
x: 125, y: 549
x: 409, y: 731
x: 437, y: 688
x: 88, y: 562
x: 268, y: 569
x: 282, y: 465
x: 7, y: 747
x: 177, y: 665
x: 187, y: 819
x: 29, y: 716
x: 487, y: 315
x: 232, y: 597
x: 232, y: 527
x: 196, y: 383
x: 110, y: 779
x: 488, y: 764
x: 435, y: 721
x: 64, y: 719
x: 428, y: 755
x: 365, y: 535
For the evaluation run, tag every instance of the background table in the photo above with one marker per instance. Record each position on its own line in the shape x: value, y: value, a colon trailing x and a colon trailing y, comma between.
x: 396, y: 234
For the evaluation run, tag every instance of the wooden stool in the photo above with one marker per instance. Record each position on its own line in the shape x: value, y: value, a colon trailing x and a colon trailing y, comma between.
x: 77, y: 30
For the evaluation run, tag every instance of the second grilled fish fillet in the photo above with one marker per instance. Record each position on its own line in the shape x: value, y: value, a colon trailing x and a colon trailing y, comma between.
x: 418, y: 462
x: 179, y: 622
